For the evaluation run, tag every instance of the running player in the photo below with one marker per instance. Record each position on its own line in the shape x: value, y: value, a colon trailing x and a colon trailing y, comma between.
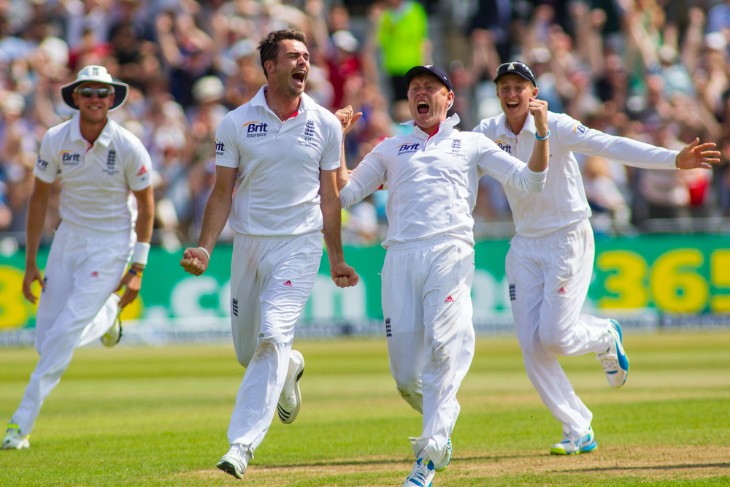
x: 279, y: 154
x: 550, y: 260
x: 103, y: 169
x: 432, y: 176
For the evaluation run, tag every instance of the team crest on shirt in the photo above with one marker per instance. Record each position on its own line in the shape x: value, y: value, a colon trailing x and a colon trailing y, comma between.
x: 408, y: 148
x: 456, y: 147
x: 111, y: 163
x: 256, y: 129
x: 504, y: 146
x: 69, y: 158
x: 308, y: 136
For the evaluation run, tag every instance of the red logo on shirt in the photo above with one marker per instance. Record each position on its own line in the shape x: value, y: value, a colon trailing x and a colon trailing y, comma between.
x: 142, y: 171
x: 562, y: 290
x: 449, y: 299
x: 288, y: 283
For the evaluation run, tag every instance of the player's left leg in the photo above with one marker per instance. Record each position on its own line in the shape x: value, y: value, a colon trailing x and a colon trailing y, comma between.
x: 449, y: 337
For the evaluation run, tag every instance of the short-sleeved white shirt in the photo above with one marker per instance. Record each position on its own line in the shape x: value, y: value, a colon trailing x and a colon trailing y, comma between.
x: 432, y: 181
x: 563, y: 201
x: 279, y: 163
x: 96, y: 179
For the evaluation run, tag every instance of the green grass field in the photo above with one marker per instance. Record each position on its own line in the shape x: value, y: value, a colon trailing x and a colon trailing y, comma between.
x: 138, y: 416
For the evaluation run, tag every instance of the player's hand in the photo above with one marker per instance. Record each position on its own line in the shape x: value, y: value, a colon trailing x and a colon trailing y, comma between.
x: 131, y: 282
x: 32, y: 274
x: 343, y: 275
x: 347, y: 118
x: 694, y: 155
x: 194, y: 261
x: 538, y: 109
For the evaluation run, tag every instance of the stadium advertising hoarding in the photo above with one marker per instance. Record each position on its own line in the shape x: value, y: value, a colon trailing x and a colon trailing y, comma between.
x: 645, y: 279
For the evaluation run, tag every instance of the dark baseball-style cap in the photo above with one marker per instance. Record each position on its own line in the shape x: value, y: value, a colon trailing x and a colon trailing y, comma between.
x: 520, y: 69
x: 439, y: 73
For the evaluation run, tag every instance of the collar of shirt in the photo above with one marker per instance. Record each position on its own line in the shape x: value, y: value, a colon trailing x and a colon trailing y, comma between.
x: 503, y: 129
x: 445, y: 128
x: 104, y: 138
x: 259, y: 100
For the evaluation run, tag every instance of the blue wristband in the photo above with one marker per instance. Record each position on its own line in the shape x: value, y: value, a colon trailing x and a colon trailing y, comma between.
x: 547, y: 136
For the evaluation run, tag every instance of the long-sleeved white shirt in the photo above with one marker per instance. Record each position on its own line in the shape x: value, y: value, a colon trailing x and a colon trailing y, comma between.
x: 563, y: 201
x: 432, y: 181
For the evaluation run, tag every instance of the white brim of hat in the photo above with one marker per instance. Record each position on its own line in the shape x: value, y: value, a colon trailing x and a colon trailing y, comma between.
x: 121, y: 90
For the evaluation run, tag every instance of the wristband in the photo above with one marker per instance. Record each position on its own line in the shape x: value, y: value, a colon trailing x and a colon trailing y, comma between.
x: 547, y: 136
x: 141, y: 251
x: 205, y: 251
x: 134, y: 272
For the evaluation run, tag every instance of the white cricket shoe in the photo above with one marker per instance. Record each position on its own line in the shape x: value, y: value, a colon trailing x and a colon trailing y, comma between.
x: 235, y: 461
x: 614, y: 361
x: 421, y: 475
x: 113, y: 334
x: 290, y: 400
x: 15, y: 439
x: 584, y: 444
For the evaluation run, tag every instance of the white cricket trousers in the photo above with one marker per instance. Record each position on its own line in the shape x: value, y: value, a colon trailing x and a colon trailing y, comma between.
x: 549, y: 279
x: 426, y: 295
x: 271, y: 280
x: 76, y: 307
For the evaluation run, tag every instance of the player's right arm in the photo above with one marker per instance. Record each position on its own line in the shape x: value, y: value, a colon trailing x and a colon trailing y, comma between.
x: 196, y: 260
x: 37, y: 207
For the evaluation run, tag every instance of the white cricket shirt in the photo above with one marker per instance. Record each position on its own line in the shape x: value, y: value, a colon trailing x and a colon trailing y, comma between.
x: 96, y: 179
x: 277, y: 189
x: 432, y: 181
x: 563, y: 201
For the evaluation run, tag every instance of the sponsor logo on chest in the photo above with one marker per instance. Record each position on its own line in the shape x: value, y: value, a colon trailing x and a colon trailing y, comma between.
x: 408, y: 148
x: 69, y: 158
x: 255, y: 130
x: 504, y: 146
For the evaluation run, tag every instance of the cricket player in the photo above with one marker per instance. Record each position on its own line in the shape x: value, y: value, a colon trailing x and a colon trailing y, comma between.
x: 279, y: 154
x: 106, y: 204
x: 550, y: 260
x: 431, y: 175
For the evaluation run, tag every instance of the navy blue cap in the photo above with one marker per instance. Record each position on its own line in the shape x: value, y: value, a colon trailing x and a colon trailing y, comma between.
x: 514, y: 67
x: 439, y: 73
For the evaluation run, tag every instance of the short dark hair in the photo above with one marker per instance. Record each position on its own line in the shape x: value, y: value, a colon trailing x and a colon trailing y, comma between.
x: 269, y: 46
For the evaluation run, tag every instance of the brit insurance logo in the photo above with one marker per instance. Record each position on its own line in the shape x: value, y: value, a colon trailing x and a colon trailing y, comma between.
x: 220, y: 148
x: 408, y: 148
x: 69, y: 158
x: 256, y: 129
x: 41, y: 164
x: 504, y: 146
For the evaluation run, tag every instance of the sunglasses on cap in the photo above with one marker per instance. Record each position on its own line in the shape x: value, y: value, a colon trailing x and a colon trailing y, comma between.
x: 88, y: 92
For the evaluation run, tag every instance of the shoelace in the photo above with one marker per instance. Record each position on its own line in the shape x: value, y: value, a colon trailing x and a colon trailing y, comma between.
x: 608, y: 361
x: 420, y: 471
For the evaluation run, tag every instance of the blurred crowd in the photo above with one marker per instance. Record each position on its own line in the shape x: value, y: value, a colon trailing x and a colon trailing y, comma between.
x: 647, y: 69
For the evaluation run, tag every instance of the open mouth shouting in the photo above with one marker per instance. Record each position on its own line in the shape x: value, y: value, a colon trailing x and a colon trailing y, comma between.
x: 422, y: 107
x: 299, y: 77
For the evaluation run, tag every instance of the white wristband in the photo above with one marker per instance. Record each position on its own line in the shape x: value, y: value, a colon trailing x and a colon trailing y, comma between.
x: 141, y: 251
x: 205, y: 251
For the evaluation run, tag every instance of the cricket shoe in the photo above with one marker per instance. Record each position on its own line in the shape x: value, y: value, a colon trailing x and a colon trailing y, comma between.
x: 290, y: 400
x: 584, y: 444
x: 235, y: 461
x: 15, y: 439
x: 441, y: 466
x: 421, y: 474
x: 614, y: 361
x: 113, y: 334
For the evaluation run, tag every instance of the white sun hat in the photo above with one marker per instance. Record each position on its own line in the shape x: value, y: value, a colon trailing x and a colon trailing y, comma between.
x: 97, y: 74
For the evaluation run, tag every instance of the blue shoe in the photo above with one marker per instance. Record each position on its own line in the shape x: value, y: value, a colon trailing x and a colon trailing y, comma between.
x: 421, y: 475
x: 584, y: 444
x: 614, y: 361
